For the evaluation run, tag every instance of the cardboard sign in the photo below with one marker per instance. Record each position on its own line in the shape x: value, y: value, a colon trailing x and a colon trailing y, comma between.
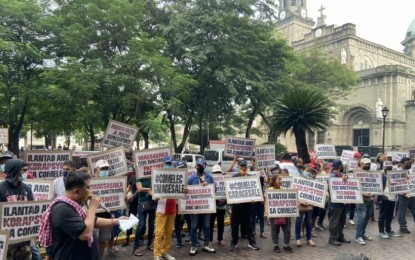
x: 281, y: 203
x: 411, y: 181
x: 264, y: 156
x: 352, y: 165
x: 398, y: 182
x: 287, y: 182
x: 371, y: 182
x: 311, y: 191
x: 22, y: 219
x: 4, y: 243
x: 292, y: 170
x: 111, y: 191
x: 42, y: 189
x: 220, y: 185
x: 119, y: 134
x: 146, y: 160
x: 4, y: 138
x: 397, y: 155
x: 322, y: 178
x: 47, y: 164
x: 243, y: 189
x: 347, y: 155
x: 325, y: 151
x: 199, y: 200
x: 115, y: 157
x: 242, y: 147
x: 345, y: 192
x: 191, y: 172
x: 169, y: 183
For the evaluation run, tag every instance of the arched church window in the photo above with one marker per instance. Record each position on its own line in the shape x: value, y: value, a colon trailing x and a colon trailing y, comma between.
x: 293, y: 2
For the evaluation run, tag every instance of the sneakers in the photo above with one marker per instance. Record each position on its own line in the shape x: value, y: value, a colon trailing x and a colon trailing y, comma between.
x: 288, y: 249
x: 351, y: 222
x: 232, y: 247
x: 193, y: 250
x: 276, y: 249
x: 253, y: 246
x: 157, y: 258
x: 367, y: 238
x: 405, y: 231
x: 208, y: 248
x: 360, y: 241
x: 311, y: 243
x: 168, y: 257
x: 298, y: 243
x: 179, y: 245
x: 383, y: 235
x: 393, y: 234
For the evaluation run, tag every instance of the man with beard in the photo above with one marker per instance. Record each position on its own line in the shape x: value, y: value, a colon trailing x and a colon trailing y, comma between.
x: 405, y: 202
x: 241, y: 215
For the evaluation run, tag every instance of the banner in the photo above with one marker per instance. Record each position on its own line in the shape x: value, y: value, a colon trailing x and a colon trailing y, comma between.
x: 115, y: 157
x: 119, y: 134
x: 264, y: 156
x: 347, y: 155
x: 292, y: 170
x: 42, y: 189
x: 22, y: 219
x: 345, y: 192
x: 220, y: 185
x: 325, y: 151
x: 169, y: 183
x: 371, y: 182
x: 242, y: 147
x: 145, y: 160
x: 4, y: 243
x: 287, y: 182
x: 398, y: 182
x: 243, y: 189
x: 4, y: 138
x: 352, y: 165
x: 111, y: 191
x: 199, y: 200
x: 47, y: 164
x: 281, y: 203
x: 311, y: 191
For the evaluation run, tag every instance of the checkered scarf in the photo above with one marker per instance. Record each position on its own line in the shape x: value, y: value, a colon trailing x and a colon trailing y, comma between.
x: 45, y: 234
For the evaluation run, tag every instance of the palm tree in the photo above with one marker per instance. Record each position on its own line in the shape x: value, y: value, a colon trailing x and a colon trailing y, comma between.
x: 302, y: 110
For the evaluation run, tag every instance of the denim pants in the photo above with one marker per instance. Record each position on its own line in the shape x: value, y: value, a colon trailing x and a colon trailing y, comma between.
x: 220, y: 216
x: 141, y: 229
x: 178, y: 226
x: 308, y: 224
x: 257, y: 210
x: 363, y: 214
x: 404, y: 204
x: 204, y: 219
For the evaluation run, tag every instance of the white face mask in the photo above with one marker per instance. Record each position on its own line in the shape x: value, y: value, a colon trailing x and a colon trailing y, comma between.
x: 2, y: 167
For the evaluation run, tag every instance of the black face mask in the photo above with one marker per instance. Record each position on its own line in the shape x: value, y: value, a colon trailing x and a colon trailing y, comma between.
x: 366, y: 167
x: 200, y: 170
x: 407, y: 166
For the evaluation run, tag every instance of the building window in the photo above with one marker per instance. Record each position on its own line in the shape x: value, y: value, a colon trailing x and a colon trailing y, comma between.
x: 293, y: 2
x: 302, y: 3
x: 320, y: 137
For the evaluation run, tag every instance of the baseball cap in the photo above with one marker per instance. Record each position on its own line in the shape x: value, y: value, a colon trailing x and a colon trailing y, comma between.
x: 365, y: 161
x: 336, y: 164
x: 242, y: 162
x: 102, y: 164
x: 201, y: 161
x: 216, y: 169
x: 357, y: 155
x: 6, y: 156
x: 180, y: 164
x: 167, y: 159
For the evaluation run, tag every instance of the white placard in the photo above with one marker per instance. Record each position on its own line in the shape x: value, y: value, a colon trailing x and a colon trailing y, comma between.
x: 292, y: 170
x: 219, y: 180
x: 310, y: 191
x: 146, y: 160
x: 287, y: 182
x: 4, y: 135
x: 281, y: 203
x: 398, y: 182
x: 349, y: 191
x: 42, y: 189
x: 371, y: 182
x: 47, y: 164
x: 264, y: 156
x: 347, y: 155
x: 243, y: 189
x: 115, y: 157
x: 111, y: 191
x: 119, y: 134
x: 199, y: 200
x: 169, y: 183
x: 242, y: 147
x: 325, y: 151
x: 4, y: 243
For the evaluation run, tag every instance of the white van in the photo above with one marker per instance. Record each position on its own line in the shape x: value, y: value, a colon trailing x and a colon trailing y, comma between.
x: 214, y: 156
x: 190, y: 158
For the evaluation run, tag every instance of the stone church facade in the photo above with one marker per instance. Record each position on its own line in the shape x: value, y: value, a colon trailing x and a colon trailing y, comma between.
x: 386, y: 78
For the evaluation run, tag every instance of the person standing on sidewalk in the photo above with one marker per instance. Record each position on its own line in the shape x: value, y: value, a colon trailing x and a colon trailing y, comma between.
x: 405, y: 202
x: 220, y: 212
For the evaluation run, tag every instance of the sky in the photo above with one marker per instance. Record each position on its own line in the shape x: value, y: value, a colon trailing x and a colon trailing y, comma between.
x: 380, y: 21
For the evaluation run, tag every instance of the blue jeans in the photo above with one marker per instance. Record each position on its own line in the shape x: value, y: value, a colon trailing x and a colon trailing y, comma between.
x: 257, y: 210
x: 35, y: 252
x: 404, y: 204
x: 308, y: 224
x: 194, y: 220
x: 363, y: 214
x: 141, y: 229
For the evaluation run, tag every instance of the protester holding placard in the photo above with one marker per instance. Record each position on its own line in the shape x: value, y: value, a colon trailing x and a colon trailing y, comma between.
x: 279, y: 223
x: 220, y: 213
x: 181, y: 218
x: 12, y: 190
x: 338, y: 210
x: 405, y: 202
x: 58, y: 184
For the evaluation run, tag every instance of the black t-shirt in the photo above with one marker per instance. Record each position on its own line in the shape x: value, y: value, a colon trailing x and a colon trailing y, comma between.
x: 67, y: 226
x: 132, y: 183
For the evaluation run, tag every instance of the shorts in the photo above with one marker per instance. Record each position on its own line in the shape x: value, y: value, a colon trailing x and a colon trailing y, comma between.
x: 103, y: 234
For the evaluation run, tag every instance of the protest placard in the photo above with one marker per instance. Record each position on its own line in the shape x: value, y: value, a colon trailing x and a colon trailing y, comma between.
x: 199, y: 200
x: 398, y: 182
x: 371, y: 182
x: 220, y: 184
x: 264, y: 156
x: 292, y: 170
x: 4, y: 135
x: 145, y: 160
x: 310, y: 191
x: 322, y: 177
x: 281, y: 203
x: 325, y: 151
x: 287, y: 182
x: 169, y: 183
x: 347, y: 155
x: 42, y: 189
x: 191, y: 172
x: 352, y: 164
x: 241, y: 147
x: 349, y: 191
x: 411, y: 182
x: 115, y: 157
x: 243, y: 189
x: 111, y: 191
x: 22, y: 219
x: 4, y: 243
x: 46, y: 164
x: 397, y: 155
x: 119, y: 134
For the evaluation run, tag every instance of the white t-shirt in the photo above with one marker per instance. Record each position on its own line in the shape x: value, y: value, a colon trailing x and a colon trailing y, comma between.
x: 58, y: 187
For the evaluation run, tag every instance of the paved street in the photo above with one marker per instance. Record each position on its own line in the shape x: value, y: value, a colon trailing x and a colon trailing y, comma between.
x: 401, y: 248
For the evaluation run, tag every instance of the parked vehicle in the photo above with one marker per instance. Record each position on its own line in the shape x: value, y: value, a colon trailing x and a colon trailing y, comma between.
x: 189, y: 158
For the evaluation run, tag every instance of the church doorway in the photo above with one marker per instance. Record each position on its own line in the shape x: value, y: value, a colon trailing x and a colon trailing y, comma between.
x: 361, y: 137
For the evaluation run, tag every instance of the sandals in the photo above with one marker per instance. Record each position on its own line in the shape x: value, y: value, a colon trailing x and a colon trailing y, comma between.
x: 115, y: 249
x: 137, y: 252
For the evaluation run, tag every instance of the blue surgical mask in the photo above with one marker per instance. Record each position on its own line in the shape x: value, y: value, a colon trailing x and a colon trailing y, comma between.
x: 168, y: 166
x: 2, y: 167
x: 24, y: 176
x: 306, y: 174
x: 103, y: 174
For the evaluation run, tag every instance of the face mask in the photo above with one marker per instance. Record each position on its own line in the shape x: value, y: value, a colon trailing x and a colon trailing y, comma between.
x: 242, y: 172
x: 168, y: 166
x: 64, y: 173
x: 200, y: 170
x: 407, y: 166
x: 103, y: 174
x: 306, y: 174
x: 24, y: 176
x: 2, y: 167
x: 366, y: 167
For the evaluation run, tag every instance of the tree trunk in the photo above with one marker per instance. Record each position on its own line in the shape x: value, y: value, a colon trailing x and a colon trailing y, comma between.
x: 186, y: 132
x: 90, y: 130
x: 254, y: 112
x: 15, y: 125
x: 145, y: 136
x: 201, y: 132
x: 301, y: 143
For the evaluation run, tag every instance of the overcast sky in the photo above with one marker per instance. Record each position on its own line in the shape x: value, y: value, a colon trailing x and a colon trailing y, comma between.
x: 380, y: 21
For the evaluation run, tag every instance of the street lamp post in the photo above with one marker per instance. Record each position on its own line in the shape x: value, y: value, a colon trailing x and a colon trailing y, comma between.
x: 385, y: 112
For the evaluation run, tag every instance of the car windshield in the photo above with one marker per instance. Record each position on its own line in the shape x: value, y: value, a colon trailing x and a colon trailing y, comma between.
x: 211, y: 155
